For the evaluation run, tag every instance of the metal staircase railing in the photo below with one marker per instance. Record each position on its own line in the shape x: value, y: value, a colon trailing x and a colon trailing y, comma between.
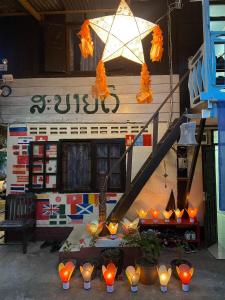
x: 129, y: 152
x: 196, y: 82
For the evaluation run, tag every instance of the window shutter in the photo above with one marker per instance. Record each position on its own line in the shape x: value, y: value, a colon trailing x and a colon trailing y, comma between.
x: 55, y: 47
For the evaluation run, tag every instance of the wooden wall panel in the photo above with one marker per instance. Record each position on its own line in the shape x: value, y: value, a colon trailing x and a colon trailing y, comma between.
x: 63, y: 100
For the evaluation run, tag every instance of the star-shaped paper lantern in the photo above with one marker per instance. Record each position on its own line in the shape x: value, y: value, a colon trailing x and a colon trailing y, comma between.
x: 122, y: 35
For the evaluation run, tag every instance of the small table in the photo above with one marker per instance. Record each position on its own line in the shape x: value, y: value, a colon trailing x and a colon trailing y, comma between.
x: 161, y: 224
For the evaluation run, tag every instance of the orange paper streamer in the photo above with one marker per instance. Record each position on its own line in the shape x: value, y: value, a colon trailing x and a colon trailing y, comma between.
x: 156, y: 51
x: 145, y: 94
x: 86, y: 45
x: 100, y: 89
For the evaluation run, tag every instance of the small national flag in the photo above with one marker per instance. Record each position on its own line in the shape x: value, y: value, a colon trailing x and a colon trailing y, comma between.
x: 24, y: 179
x: 93, y: 199
x: 15, y: 147
x: 139, y: 141
x: 57, y: 219
x: 23, y: 159
x: 51, y: 150
x: 84, y: 209
x: 41, y: 138
x: 147, y: 140
x: 43, y: 197
x: 18, y: 131
x: 129, y: 139
x: 74, y: 199
x: 54, y: 209
x: 39, y: 209
x: 76, y: 219
x: 111, y: 198
x: 25, y: 140
x: 17, y: 188
x: 19, y: 169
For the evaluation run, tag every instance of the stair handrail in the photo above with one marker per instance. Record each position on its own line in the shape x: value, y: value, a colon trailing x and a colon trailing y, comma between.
x: 143, y: 129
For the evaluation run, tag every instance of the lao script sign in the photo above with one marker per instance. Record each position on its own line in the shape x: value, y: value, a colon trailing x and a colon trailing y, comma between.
x: 73, y: 103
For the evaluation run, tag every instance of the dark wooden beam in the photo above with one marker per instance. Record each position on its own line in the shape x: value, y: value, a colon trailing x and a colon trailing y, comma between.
x: 60, y: 12
x: 26, y: 4
x: 194, y: 160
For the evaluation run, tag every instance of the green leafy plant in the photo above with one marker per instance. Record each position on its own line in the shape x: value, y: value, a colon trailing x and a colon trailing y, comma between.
x: 148, y: 242
x: 67, y: 246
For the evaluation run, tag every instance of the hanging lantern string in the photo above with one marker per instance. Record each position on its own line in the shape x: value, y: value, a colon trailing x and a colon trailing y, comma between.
x: 145, y: 94
x: 100, y: 89
x: 86, y: 45
x: 170, y: 55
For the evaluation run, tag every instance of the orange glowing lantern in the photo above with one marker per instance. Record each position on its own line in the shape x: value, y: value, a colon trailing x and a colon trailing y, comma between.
x: 185, y: 274
x: 65, y: 273
x: 94, y: 228
x: 109, y: 274
x: 179, y: 214
x: 112, y: 227
x: 142, y: 214
x: 192, y: 212
x: 155, y: 214
x: 167, y: 215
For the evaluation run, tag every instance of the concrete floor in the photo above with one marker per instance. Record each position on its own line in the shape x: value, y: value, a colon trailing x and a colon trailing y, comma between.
x: 34, y: 276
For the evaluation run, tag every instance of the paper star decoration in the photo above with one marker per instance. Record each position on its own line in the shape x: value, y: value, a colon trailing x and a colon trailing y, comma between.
x: 122, y: 35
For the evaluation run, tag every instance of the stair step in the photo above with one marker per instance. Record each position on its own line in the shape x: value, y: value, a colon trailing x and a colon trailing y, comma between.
x: 148, y: 168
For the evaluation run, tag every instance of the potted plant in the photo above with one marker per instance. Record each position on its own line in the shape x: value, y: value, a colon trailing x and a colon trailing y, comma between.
x: 150, y: 246
x: 179, y: 260
x: 114, y: 255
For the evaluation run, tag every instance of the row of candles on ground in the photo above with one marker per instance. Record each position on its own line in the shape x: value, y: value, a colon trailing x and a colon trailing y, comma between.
x: 184, y: 272
x: 192, y: 213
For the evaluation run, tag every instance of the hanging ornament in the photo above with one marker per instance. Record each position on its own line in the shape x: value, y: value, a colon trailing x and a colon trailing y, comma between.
x: 122, y: 35
x: 86, y: 44
x: 157, y: 45
x: 165, y: 173
x: 145, y: 94
x: 100, y: 89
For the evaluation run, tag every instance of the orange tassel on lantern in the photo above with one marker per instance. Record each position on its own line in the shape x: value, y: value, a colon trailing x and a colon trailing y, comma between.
x: 100, y: 89
x: 145, y: 94
x: 156, y: 51
x: 86, y: 45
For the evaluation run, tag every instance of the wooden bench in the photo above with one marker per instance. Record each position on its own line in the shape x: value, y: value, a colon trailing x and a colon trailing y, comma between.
x: 20, y: 216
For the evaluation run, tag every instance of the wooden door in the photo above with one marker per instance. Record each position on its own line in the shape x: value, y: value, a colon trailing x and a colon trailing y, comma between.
x: 209, y: 186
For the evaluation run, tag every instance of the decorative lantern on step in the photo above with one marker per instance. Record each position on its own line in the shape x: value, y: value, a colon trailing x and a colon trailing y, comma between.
x: 187, y: 134
x: 155, y: 214
x: 179, y: 214
x: 65, y: 273
x: 112, y: 227
x: 109, y: 274
x: 185, y: 274
x: 192, y: 212
x: 94, y: 228
x: 167, y: 215
x: 122, y: 35
x: 133, y: 275
x: 142, y: 214
x: 128, y: 226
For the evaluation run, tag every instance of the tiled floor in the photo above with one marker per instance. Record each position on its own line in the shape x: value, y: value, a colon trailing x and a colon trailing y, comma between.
x: 2, y: 207
x: 34, y: 276
x: 217, y: 251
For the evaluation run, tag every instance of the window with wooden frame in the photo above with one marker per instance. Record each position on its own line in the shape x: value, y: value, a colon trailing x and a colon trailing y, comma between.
x: 43, y: 166
x: 81, y: 162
